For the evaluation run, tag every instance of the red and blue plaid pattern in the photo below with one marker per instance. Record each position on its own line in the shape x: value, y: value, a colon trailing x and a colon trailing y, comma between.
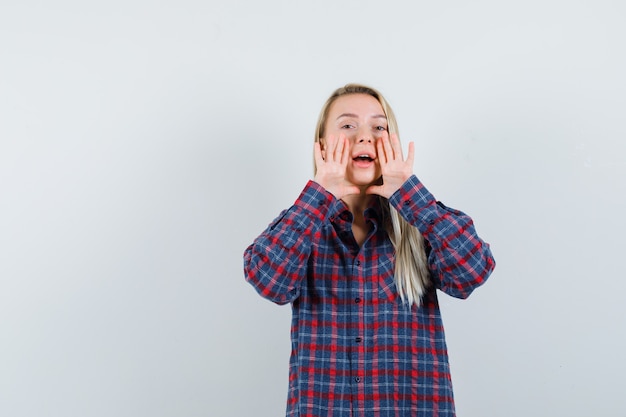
x: 357, y: 350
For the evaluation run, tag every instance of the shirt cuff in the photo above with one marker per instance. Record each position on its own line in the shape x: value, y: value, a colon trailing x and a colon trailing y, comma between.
x: 315, y: 199
x: 415, y: 204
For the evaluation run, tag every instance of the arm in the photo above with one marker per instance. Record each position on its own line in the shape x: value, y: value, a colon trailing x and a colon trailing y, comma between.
x: 459, y: 260
x: 276, y: 262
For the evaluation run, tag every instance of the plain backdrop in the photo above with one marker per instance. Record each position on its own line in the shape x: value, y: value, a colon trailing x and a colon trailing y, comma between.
x: 144, y: 145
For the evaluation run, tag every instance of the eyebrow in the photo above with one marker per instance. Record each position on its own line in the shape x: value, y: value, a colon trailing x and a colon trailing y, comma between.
x: 377, y: 116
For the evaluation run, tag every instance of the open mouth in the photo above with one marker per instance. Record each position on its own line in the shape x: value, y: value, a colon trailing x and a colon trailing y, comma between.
x: 363, y: 158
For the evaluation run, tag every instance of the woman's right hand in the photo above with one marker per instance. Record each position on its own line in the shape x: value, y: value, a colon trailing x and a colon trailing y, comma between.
x: 331, y: 164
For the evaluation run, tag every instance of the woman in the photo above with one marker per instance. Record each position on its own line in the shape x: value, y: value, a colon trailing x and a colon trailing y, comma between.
x: 359, y: 256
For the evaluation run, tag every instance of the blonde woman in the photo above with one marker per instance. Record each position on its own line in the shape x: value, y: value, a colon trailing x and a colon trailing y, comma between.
x: 360, y: 256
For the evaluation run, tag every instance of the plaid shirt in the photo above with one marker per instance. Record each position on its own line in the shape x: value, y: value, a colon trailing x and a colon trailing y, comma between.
x: 357, y: 350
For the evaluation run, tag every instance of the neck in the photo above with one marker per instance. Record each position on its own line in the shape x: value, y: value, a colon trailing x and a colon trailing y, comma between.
x: 357, y: 203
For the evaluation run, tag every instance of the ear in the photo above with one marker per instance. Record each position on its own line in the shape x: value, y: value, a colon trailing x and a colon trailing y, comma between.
x: 322, y: 143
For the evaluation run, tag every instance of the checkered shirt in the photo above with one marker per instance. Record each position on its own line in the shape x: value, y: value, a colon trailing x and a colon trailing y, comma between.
x: 357, y: 349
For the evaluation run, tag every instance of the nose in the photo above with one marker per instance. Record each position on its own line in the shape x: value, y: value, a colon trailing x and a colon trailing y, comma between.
x: 365, y: 136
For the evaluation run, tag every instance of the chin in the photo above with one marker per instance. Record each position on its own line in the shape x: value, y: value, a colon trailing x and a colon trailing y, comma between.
x: 366, y: 179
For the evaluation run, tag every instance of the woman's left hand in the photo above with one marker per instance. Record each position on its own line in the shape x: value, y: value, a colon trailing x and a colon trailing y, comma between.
x: 395, y: 170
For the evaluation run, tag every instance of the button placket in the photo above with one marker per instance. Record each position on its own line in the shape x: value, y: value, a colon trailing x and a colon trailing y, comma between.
x: 357, y: 309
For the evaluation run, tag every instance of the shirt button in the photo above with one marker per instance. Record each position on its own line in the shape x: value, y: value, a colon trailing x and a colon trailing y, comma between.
x: 357, y: 379
x: 357, y: 300
x: 358, y: 339
x: 358, y: 263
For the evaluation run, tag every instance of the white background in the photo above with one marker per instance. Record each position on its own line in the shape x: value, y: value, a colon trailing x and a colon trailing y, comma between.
x: 143, y: 146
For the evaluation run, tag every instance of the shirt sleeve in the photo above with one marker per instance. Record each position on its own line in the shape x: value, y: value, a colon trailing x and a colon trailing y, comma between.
x: 276, y: 262
x: 459, y: 260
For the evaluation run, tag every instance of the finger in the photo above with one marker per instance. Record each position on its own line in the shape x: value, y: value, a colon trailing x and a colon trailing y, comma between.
x: 397, y: 148
x: 388, y: 149
x: 341, y: 143
x: 382, y: 159
x: 329, y: 148
x: 345, y: 157
x: 317, y: 153
x: 411, y: 155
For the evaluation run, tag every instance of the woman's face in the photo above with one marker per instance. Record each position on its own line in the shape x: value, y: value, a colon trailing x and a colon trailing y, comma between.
x: 361, y: 119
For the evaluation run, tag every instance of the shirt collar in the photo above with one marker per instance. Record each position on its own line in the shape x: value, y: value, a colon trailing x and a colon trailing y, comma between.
x: 341, y: 216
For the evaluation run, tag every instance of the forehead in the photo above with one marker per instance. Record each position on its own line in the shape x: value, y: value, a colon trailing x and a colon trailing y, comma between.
x: 362, y: 105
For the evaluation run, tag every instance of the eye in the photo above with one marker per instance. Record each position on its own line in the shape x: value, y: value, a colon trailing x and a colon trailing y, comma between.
x: 348, y: 126
x: 381, y: 128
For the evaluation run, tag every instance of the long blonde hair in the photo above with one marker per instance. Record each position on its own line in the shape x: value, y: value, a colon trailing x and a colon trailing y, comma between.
x: 412, y: 275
